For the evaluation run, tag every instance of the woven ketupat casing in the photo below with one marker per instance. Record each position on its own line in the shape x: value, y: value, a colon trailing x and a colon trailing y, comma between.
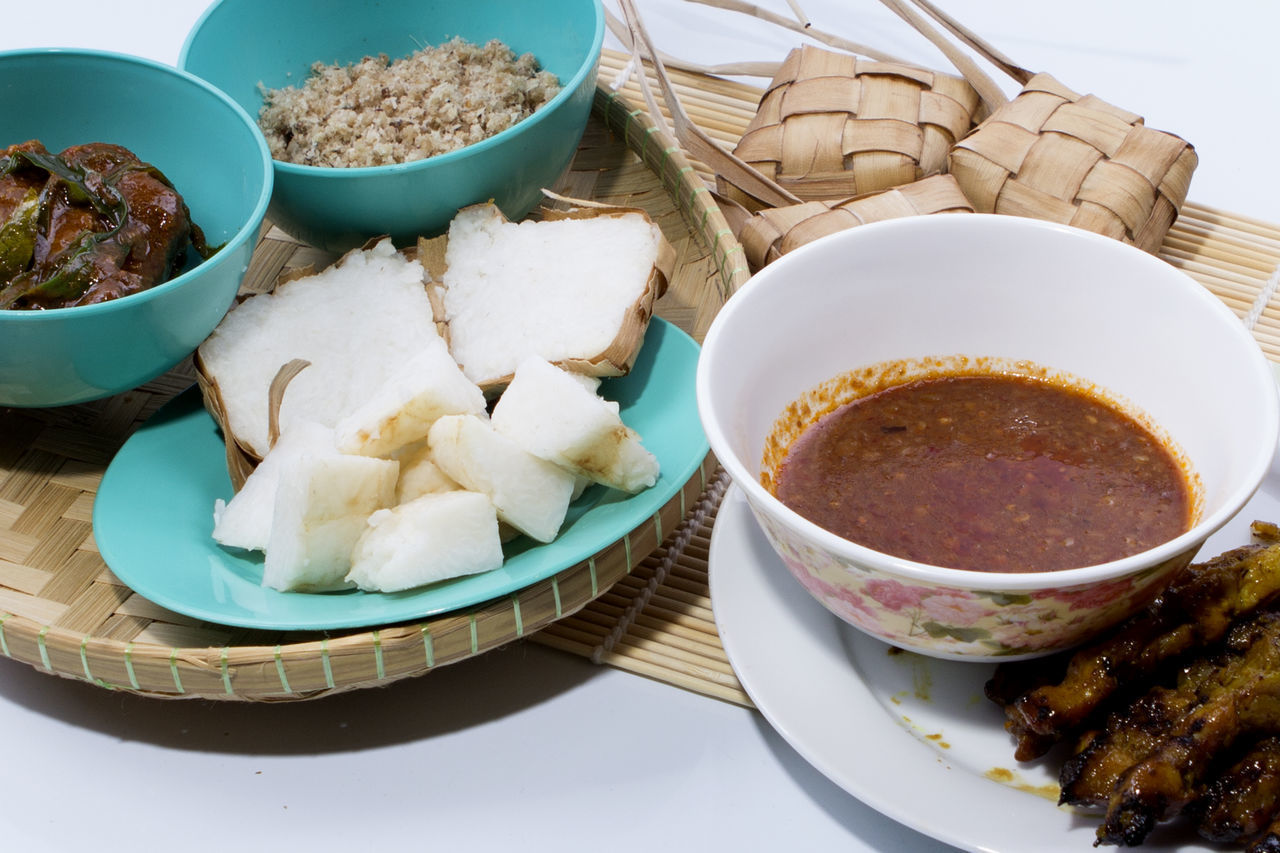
x: 773, y: 232
x: 831, y: 125
x: 1050, y: 153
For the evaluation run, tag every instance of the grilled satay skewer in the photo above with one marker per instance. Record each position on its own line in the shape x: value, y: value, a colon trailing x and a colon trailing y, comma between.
x: 1267, y: 532
x: 1130, y: 734
x: 1247, y: 702
x: 1267, y: 842
x: 1241, y: 803
x: 1193, y: 612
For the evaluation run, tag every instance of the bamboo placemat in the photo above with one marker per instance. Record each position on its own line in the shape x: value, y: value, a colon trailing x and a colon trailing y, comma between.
x: 658, y: 621
x: 60, y: 607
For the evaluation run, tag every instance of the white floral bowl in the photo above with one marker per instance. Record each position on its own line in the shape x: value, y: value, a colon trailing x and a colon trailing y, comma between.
x: 1005, y: 288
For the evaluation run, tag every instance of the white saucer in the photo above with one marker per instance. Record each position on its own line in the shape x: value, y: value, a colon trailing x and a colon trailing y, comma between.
x: 912, y: 737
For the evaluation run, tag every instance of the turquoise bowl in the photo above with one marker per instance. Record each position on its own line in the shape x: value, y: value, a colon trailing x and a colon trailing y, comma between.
x: 212, y: 152
x: 239, y: 44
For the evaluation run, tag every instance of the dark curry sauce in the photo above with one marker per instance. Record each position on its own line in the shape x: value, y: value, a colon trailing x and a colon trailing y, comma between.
x: 989, y: 472
x: 88, y: 224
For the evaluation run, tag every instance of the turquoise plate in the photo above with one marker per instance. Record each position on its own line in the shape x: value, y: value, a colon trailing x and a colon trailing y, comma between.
x: 153, y: 517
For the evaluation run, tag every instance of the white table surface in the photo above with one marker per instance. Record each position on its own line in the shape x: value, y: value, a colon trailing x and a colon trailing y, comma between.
x: 526, y: 747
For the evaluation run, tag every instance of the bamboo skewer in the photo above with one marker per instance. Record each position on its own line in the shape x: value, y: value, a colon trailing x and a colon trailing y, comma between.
x: 693, y: 138
x: 801, y: 27
x: 990, y: 92
x: 970, y: 38
x: 731, y: 69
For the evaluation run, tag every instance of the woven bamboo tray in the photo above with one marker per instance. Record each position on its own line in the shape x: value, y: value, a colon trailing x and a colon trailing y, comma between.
x: 64, y: 612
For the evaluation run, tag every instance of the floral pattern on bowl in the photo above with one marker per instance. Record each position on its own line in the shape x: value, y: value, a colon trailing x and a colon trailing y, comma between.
x: 959, y: 622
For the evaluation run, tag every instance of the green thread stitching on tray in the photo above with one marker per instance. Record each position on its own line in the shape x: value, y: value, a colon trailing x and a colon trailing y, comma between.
x: 660, y: 156
x: 377, y: 655
x: 612, y: 108
x: 44, y: 649
x: 650, y: 155
x: 669, y: 178
x: 515, y: 607
x: 324, y: 662
x: 726, y: 282
x: 128, y: 666
x: 644, y: 146
x: 555, y: 593
x: 631, y: 114
x: 475, y: 634
x: 717, y: 247
x: 696, y: 189
x: 626, y: 544
x: 627, y: 125
x: 657, y: 525
x: 4, y: 643
x: 173, y: 669
x: 591, y: 568
x: 707, y: 207
x: 284, y: 678
x: 428, y: 646
x: 610, y: 101
x: 676, y: 174
x: 726, y: 234
x: 619, y: 123
x: 84, y: 662
x: 226, y: 671
x: 84, y: 659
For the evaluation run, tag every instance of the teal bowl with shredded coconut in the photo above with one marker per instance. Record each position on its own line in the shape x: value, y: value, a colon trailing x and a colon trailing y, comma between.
x: 241, y: 46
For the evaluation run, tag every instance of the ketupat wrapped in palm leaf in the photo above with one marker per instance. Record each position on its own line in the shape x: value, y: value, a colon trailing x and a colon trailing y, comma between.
x: 771, y: 233
x: 761, y: 211
x: 832, y: 125
x: 1053, y: 154
x: 1050, y: 153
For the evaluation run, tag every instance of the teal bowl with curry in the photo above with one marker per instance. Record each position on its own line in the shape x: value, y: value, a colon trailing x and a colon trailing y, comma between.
x: 245, y: 47
x: 131, y: 197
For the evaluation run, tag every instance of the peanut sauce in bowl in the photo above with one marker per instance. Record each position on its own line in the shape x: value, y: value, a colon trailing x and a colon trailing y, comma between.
x: 969, y: 565
x: 988, y: 471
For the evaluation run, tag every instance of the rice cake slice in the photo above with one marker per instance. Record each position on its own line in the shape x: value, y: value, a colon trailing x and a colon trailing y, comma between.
x: 356, y: 322
x: 432, y: 538
x: 245, y: 520
x: 530, y: 493
x: 321, y: 506
x: 577, y: 290
x: 424, y: 387
x: 420, y: 476
x: 554, y: 416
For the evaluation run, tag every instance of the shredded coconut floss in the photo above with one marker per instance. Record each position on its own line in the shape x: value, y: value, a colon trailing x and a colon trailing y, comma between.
x: 375, y: 112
